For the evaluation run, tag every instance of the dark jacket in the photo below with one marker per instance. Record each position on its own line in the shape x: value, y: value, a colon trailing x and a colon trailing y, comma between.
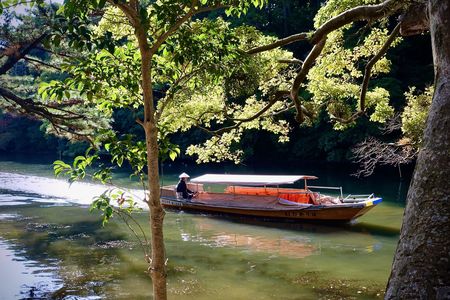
x: 182, y: 188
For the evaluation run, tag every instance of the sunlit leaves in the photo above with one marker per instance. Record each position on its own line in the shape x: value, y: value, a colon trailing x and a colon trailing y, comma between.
x: 335, y: 80
x: 224, y: 90
x: 115, y: 22
x: 78, y: 169
x: 61, y: 168
x: 415, y: 114
x: 378, y: 99
x: 199, y: 70
x: 218, y: 148
x: 114, y: 202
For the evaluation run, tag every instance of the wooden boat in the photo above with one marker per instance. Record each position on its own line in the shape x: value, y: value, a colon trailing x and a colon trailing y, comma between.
x: 261, y: 196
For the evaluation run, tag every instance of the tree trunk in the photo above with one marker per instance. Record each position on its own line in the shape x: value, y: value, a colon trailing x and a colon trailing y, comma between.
x: 421, y: 267
x: 156, y: 212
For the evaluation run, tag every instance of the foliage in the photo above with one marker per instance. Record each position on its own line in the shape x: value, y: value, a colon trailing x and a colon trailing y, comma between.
x: 8, y: 4
x: 334, y: 81
x: 242, y: 80
x: 415, y: 114
x: 29, y: 60
x: 197, y: 69
x: 125, y: 204
x: 246, y: 86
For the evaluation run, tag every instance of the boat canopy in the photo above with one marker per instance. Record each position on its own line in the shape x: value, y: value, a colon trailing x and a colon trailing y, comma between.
x: 255, y: 180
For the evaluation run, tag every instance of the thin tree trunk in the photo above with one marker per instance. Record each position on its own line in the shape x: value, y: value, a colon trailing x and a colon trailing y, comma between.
x: 156, y: 212
x: 421, y: 267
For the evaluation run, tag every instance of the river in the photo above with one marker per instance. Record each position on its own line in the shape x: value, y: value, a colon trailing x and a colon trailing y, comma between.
x: 51, y: 246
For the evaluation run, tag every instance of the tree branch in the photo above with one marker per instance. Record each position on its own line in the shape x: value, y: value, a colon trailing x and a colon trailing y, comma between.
x: 371, y: 63
x: 364, y: 12
x: 372, y: 152
x: 55, y: 53
x: 291, y: 61
x: 415, y: 19
x: 41, y: 63
x: 307, y: 65
x: 238, y: 122
x: 192, y: 12
x: 359, y: 13
x: 282, y: 42
x: 366, y: 79
x: 272, y: 100
x: 60, y: 121
x: 21, y: 53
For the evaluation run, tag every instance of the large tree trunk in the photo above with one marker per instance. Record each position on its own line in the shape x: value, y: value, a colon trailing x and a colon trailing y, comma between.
x: 421, y: 268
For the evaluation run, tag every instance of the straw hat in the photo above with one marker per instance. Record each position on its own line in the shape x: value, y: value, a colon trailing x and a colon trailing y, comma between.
x: 184, y: 175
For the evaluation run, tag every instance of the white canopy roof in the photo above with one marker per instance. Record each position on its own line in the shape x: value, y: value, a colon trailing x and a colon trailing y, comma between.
x: 258, y: 180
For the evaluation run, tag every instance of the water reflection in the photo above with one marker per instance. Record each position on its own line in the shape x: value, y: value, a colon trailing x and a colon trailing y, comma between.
x: 22, y: 278
x: 207, y: 233
x: 293, y: 240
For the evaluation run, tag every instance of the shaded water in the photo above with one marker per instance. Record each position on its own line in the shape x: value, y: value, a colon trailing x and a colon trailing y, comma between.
x: 57, y: 249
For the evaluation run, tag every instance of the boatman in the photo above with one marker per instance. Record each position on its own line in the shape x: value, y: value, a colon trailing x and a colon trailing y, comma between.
x: 182, y: 187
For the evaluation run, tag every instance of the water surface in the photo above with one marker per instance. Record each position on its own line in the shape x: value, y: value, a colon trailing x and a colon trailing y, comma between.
x: 56, y: 248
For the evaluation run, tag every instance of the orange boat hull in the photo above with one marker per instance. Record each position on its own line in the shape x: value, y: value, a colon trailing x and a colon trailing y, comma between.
x: 266, y: 207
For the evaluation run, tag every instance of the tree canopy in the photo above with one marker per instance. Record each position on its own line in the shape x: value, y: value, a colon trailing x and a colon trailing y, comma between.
x: 178, y: 67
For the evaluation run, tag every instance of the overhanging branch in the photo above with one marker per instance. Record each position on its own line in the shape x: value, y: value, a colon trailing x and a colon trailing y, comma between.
x: 20, y: 53
x: 238, y: 122
x: 364, y: 12
x: 307, y: 65
x: 359, y: 13
x: 41, y: 63
x: 60, y: 118
x: 282, y: 42
x: 366, y: 79
x: 371, y: 63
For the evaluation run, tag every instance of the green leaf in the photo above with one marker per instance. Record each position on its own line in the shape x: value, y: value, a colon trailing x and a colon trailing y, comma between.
x: 120, y: 161
x: 172, y: 155
x: 101, y: 3
x: 77, y: 161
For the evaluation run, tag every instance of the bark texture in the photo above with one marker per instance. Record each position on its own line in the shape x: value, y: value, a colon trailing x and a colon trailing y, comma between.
x: 156, y: 212
x: 421, y: 268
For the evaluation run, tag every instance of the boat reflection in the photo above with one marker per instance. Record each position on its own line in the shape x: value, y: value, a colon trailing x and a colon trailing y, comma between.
x: 297, y: 240
x: 208, y: 233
